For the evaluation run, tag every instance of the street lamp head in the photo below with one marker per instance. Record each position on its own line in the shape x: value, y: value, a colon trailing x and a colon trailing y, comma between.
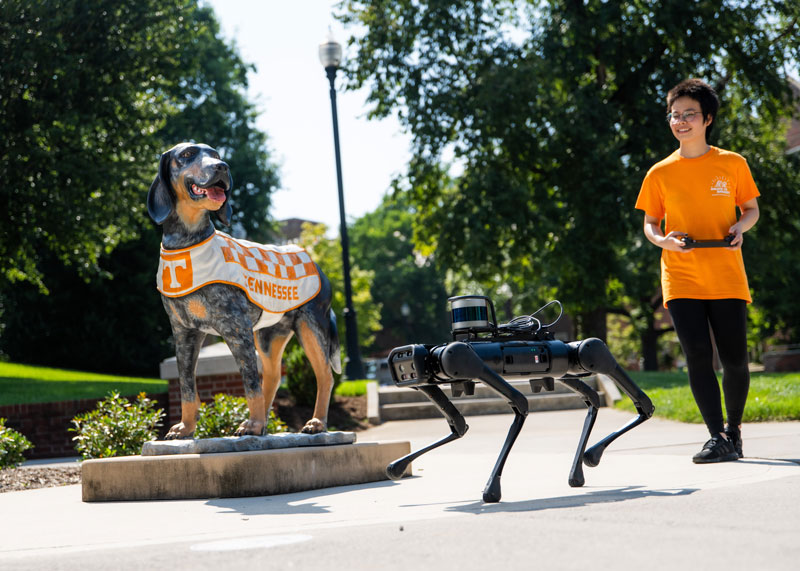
x: 330, y: 52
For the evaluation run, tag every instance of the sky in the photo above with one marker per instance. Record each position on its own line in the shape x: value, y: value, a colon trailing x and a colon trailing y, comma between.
x: 291, y: 92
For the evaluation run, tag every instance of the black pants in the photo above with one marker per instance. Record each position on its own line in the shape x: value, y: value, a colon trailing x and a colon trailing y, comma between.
x: 728, y: 321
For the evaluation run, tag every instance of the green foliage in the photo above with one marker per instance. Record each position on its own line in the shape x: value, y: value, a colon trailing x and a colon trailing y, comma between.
x: 225, y: 414
x: 116, y: 427
x: 553, y: 112
x: 772, y: 396
x: 12, y: 445
x: 84, y: 87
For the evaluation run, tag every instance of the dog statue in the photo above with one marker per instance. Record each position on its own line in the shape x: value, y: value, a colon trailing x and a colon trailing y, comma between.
x: 254, y: 296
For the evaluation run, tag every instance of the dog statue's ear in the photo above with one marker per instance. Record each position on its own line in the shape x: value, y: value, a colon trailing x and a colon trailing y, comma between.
x: 159, y: 199
x: 224, y: 214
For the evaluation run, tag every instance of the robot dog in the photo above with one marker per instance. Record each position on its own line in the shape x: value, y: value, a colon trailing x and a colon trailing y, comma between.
x: 491, y: 353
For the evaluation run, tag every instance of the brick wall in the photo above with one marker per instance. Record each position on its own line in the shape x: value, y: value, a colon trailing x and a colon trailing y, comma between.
x: 47, y: 425
x: 207, y: 387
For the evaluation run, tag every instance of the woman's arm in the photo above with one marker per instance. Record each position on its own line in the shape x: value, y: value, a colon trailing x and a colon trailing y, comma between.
x: 653, y: 232
x: 747, y: 220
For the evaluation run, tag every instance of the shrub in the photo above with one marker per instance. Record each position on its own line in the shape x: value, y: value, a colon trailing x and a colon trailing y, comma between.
x: 225, y: 414
x: 300, y: 378
x: 12, y: 445
x: 116, y: 427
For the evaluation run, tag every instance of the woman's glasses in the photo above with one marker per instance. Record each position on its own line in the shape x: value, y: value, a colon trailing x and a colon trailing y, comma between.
x: 685, y: 116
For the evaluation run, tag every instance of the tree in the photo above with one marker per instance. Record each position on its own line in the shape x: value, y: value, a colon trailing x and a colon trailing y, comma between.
x: 407, y: 286
x: 553, y: 112
x: 111, y: 86
x: 86, y: 95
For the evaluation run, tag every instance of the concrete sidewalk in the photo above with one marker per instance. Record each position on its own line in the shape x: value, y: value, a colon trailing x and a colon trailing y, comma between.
x: 645, y: 505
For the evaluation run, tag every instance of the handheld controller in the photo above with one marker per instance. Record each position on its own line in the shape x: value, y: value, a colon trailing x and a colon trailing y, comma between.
x: 692, y: 243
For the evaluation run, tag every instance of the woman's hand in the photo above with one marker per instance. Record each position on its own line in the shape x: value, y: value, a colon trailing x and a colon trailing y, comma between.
x: 738, y: 237
x: 673, y: 242
x: 749, y: 217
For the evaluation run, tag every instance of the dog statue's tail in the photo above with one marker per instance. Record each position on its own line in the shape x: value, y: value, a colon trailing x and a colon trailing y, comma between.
x: 334, y: 353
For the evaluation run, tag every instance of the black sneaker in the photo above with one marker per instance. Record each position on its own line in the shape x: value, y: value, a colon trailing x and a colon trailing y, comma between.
x: 735, y: 436
x: 718, y: 449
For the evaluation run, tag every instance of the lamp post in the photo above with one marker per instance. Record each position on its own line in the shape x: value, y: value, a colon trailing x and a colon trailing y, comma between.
x: 330, y: 55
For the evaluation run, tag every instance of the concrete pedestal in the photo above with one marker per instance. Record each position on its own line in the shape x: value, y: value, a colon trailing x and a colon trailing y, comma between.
x: 238, y: 474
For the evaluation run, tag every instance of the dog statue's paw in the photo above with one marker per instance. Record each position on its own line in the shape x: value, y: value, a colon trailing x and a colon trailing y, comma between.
x: 179, y: 431
x: 251, y: 428
x: 314, y: 426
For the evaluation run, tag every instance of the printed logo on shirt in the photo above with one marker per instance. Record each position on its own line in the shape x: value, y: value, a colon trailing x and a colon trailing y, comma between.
x: 720, y: 186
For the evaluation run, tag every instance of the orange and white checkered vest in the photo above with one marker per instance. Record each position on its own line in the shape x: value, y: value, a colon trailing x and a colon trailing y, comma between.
x: 275, y: 278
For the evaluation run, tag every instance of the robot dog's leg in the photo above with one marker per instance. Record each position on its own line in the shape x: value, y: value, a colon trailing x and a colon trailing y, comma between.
x: 458, y: 427
x: 459, y: 360
x: 594, y: 356
x: 519, y: 404
x: 491, y: 493
x: 592, y: 400
x: 643, y: 406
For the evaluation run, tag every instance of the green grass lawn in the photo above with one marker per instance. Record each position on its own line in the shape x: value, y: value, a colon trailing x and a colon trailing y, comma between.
x: 352, y: 388
x: 773, y: 396
x: 24, y: 384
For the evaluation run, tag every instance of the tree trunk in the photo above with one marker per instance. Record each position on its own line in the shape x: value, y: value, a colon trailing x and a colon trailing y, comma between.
x: 650, y: 348
x: 593, y: 324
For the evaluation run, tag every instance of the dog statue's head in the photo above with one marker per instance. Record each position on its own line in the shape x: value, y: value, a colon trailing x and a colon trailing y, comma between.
x: 191, y: 180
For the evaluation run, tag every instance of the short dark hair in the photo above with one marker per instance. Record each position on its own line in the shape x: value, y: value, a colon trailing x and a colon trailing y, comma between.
x: 701, y: 92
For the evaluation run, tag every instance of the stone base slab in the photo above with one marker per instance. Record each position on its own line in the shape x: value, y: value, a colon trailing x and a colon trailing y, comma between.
x: 245, y: 443
x: 238, y: 474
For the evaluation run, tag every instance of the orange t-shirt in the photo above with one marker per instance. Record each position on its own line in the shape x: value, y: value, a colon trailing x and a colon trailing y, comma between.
x: 699, y: 196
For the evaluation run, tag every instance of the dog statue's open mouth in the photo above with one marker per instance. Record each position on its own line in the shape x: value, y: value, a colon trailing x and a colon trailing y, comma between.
x: 215, y: 193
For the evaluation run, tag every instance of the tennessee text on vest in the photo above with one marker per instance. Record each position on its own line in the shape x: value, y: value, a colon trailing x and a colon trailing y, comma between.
x: 275, y: 278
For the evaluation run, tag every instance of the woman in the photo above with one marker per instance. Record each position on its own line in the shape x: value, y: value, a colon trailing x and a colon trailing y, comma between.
x: 696, y: 191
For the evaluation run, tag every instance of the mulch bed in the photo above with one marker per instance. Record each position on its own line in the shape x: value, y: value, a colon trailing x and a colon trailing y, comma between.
x: 30, y: 478
x: 345, y: 413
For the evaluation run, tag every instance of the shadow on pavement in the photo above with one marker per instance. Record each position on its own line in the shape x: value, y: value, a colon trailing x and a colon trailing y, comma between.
x: 593, y: 497
x: 290, y: 503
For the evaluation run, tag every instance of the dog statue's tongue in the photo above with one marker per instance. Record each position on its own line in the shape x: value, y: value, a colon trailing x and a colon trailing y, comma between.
x: 216, y: 194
